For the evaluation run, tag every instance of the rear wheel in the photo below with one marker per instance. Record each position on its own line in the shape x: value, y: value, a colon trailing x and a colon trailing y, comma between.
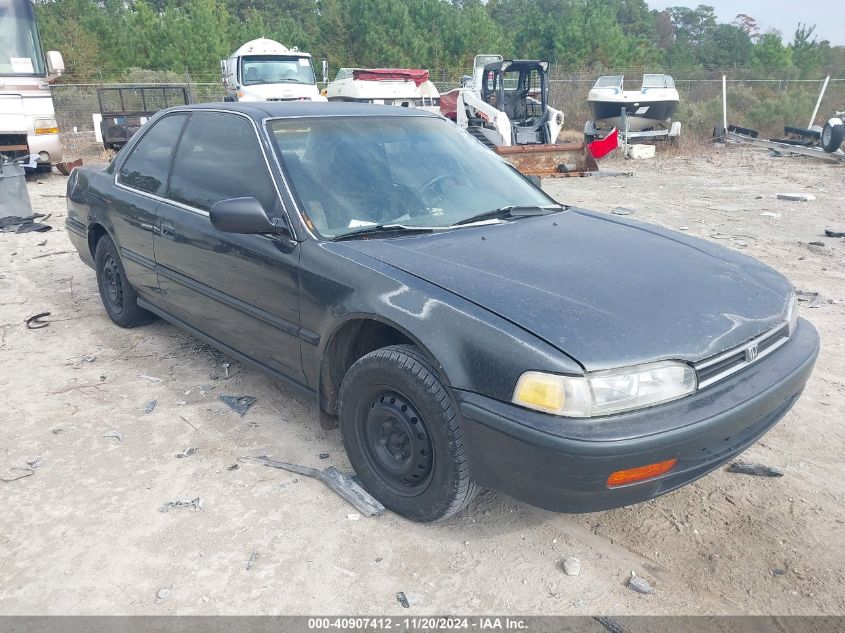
x: 832, y: 137
x: 401, y: 433
x: 119, y: 297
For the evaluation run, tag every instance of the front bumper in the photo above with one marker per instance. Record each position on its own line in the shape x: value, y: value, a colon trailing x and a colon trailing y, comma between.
x: 50, y: 143
x: 563, y: 464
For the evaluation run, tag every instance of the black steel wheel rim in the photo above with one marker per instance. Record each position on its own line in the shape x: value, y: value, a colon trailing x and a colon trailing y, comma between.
x: 113, y: 283
x: 396, y: 441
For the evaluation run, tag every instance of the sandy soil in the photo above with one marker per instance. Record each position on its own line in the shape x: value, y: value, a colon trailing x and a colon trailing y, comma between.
x: 84, y: 534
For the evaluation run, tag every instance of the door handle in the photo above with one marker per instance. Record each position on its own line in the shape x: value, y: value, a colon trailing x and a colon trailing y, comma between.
x: 166, y: 229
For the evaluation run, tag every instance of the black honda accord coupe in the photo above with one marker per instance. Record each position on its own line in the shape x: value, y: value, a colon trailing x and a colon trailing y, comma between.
x: 467, y: 330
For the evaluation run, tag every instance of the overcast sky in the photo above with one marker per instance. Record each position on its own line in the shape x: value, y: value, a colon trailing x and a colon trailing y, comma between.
x: 783, y: 15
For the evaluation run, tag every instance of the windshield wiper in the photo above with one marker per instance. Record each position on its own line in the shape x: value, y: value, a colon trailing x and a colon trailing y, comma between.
x: 381, y: 229
x: 513, y: 211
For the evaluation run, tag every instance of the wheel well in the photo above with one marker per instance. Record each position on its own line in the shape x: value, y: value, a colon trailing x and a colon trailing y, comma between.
x: 353, y: 340
x: 95, y: 232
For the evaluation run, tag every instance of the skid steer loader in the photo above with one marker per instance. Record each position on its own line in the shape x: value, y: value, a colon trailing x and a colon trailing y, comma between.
x: 504, y: 104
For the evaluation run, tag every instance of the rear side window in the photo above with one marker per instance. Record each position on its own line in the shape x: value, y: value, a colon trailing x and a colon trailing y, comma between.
x: 219, y: 158
x: 147, y: 166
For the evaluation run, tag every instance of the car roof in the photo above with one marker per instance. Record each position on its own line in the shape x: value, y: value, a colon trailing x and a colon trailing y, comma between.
x: 260, y: 110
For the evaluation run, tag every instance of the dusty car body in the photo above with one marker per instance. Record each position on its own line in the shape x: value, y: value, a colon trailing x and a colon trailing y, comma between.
x: 573, y: 360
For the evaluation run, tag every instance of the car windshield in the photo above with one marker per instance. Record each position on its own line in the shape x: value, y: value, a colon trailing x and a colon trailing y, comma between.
x: 277, y: 69
x: 20, y: 48
x: 415, y: 171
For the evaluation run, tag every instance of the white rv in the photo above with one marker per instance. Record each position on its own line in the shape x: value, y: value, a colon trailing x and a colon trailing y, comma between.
x: 264, y: 70
x: 409, y: 88
x: 27, y: 118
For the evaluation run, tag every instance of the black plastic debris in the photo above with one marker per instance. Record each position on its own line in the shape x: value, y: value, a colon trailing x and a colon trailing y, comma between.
x: 334, y: 479
x: 239, y: 404
x: 233, y: 467
x: 758, y: 470
x: 832, y: 233
x: 323, y: 455
x: 403, y: 600
x: 35, y: 322
x: 27, y: 472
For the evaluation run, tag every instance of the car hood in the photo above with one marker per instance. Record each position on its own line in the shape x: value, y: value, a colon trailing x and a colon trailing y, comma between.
x: 608, y: 292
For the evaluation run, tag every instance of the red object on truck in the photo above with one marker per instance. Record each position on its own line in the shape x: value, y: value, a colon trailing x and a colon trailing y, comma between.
x: 418, y: 76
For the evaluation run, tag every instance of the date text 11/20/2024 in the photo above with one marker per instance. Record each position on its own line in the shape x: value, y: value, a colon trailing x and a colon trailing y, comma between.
x: 418, y: 624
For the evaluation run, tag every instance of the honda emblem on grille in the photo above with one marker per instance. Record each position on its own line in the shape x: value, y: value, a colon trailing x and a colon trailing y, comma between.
x: 751, y: 353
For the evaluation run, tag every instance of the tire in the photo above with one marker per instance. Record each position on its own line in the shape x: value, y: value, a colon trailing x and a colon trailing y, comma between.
x: 402, y: 435
x: 832, y: 137
x: 119, y: 298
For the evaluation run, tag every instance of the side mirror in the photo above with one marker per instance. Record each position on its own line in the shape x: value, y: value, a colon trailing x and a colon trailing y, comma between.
x: 55, y: 63
x: 245, y: 216
x: 325, y: 71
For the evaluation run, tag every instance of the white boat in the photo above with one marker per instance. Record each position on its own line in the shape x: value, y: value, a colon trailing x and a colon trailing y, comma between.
x: 406, y: 87
x: 650, y: 108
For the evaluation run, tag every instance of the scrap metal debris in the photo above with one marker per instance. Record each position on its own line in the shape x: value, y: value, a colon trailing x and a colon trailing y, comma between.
x: 252, y: 558
x: 797, y: 197
x: 195, y: 503
x: 239, y: 404
x: 187, y: 452
x: 115, y: 434
x: 150, y: 378
x: 832, y: 233
x: 572, y: 566
x: 148, y: 408
x: 67, y: 167
x: 640, y: 585
x: 323, y: 455
x: 35, y: 462
x: 813, y: 299
x: 403, y: 600
x: 233, y: 467
x: 334, y: 479
x: 27, y: 472
x: 35, y: 322
x: 758, y: 470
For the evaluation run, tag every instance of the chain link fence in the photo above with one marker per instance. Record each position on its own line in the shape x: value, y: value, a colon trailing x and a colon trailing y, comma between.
x: 763, y: 104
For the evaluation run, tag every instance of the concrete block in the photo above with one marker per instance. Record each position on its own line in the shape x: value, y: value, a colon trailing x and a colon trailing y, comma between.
x: 638, y: 152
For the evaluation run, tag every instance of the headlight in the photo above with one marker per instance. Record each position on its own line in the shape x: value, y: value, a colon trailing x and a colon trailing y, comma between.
x: 605, y: 392
x: 46, y: 126
x: 792, y: 313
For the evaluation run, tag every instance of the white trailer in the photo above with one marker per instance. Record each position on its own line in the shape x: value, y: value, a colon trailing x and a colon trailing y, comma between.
x: 27, y: 117
x: 265, y: 70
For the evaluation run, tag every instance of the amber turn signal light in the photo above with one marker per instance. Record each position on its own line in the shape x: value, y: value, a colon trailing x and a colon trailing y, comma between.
x: 622, y: 477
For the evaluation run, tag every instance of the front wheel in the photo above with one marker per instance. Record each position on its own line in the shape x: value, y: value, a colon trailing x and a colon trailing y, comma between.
x: 832, y: 136
x: 402, y: 435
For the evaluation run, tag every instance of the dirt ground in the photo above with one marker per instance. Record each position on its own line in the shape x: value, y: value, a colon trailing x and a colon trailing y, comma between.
x: 84, y: 534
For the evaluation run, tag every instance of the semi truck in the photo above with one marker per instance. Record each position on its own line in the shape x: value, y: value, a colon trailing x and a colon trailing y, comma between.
x: 265, y: 70
x: 27, y: 118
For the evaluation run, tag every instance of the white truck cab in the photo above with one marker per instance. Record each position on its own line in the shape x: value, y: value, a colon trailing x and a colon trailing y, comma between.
x: 27, y: 118
x: 265, y: 70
